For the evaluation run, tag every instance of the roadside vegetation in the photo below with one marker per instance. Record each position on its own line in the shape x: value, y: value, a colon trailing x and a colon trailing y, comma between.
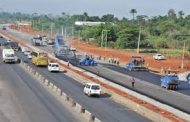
x: 157, y: 33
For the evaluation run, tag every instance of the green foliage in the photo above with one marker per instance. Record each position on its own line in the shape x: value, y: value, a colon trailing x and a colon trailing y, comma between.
x: 157, y: 32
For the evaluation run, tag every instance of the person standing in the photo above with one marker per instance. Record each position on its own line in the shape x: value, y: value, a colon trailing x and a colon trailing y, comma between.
x: 133, y: 82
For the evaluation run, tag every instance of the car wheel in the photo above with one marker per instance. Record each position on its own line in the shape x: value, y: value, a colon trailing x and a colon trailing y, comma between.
x: 89, y: 94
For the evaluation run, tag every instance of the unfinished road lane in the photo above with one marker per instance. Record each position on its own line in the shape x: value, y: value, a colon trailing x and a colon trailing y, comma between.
x: 148, y: 84
x: 104, y: 108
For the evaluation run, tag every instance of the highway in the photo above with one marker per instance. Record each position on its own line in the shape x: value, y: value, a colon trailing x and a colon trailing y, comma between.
x: 104, y: 108
x: 149, y: 83
x: 25, y: 100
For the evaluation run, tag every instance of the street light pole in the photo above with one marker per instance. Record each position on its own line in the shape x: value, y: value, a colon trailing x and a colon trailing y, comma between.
x: 102, y: 38
x: 139, y: 40
x: 42, y: 28
x: 62, y: 31
x: 51, y: 29
x: 65, y: 33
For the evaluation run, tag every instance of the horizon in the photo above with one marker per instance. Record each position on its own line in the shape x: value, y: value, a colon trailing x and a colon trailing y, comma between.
x: 119, y: 8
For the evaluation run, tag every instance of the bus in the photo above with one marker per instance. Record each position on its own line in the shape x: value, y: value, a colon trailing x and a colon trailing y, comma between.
x: 39, y: 58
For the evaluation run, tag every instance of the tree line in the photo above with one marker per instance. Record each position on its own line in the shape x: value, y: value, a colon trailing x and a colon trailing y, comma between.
x: 167, y: 31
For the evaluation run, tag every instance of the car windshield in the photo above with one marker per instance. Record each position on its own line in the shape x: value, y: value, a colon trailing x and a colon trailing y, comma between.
x: 95, y: 87
x: 54, y: 65
x: 9, y: 55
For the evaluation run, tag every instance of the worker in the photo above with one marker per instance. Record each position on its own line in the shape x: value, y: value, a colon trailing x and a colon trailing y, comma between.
x: 68, y: 63
x: 133, y: 82
x: 109, y: 60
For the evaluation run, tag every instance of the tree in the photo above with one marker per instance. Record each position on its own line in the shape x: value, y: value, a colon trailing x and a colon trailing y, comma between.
x: 133, y: 12
x: 85, y: 15
x: 108, y: 18
x: 181, y: 13
x: 128, y: 38
x: 172, y: 14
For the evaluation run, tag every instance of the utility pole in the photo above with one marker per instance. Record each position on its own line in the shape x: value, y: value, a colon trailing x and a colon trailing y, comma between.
x: 72, y: 31
x: 106, y: 41
x: 62, y: 31
x: 65, y: 33
x: 42, y: 28
x: 139, y: 40
x: 79, y: 35
x: 183, y: 56
x: 102, y: 38
x: 51, y: 27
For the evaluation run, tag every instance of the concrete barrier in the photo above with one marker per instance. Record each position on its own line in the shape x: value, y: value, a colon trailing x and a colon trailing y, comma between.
x: 59, y: 91
x: 51, y: 85
x: 78, y: 107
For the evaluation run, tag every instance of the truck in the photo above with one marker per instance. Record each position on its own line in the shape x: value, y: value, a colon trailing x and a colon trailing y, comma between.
x: 170, y: 80
x: 137, y: 63
x: 61, y: 50
x: 9, y: 56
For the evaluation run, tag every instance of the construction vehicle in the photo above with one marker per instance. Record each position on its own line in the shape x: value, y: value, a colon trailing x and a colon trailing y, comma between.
x: 170, y: 80
x: 50, y: 41
x: 87, y: 61
x: 137, y: 63
x: 63, y: 51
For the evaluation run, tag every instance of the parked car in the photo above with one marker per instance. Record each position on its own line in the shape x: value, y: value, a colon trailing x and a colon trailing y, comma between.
x: 159, y: 56
x: 92, y: 89
x: 53, y: 67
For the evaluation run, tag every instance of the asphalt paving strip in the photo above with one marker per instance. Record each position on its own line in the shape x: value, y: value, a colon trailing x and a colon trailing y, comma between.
x: 103, y: 108
x: 90, y: 69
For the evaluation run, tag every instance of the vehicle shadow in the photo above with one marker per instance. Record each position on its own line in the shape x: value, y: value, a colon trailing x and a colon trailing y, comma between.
x: 103, y: 95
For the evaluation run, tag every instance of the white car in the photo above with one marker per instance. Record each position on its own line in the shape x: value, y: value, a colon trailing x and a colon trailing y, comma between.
x: 158, y: 57
x: 53, y: 67
x: 24, y: 49
x: 29, y: 56
x: 92, y: 89
x: 27, y: 52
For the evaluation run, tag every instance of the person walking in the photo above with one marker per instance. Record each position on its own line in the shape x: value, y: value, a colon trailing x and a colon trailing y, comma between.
x: 68, y: 63
x: 133, y: 82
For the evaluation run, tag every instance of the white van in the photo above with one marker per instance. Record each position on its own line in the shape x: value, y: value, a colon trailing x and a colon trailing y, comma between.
x: 92, y: 89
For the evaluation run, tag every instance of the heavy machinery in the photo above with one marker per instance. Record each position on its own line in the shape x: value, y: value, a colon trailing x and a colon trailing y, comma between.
x: 137, y: 63
x: 87, y: 61
x: 170, y: 80
x: 63, y: 51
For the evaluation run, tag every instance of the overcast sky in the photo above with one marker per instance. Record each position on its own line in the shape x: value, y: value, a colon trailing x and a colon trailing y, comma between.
x: 119, y: 8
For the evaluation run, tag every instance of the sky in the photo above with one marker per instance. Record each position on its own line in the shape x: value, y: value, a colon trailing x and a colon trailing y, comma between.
x: 120, y: 8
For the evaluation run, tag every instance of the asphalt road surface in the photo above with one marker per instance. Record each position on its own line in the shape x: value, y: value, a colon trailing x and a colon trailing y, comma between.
x: 23, y: 99
x: 104, y: 108
x: 148, y: 85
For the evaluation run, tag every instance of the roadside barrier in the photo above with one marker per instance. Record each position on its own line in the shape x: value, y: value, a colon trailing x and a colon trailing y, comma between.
x: 54, y: 88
